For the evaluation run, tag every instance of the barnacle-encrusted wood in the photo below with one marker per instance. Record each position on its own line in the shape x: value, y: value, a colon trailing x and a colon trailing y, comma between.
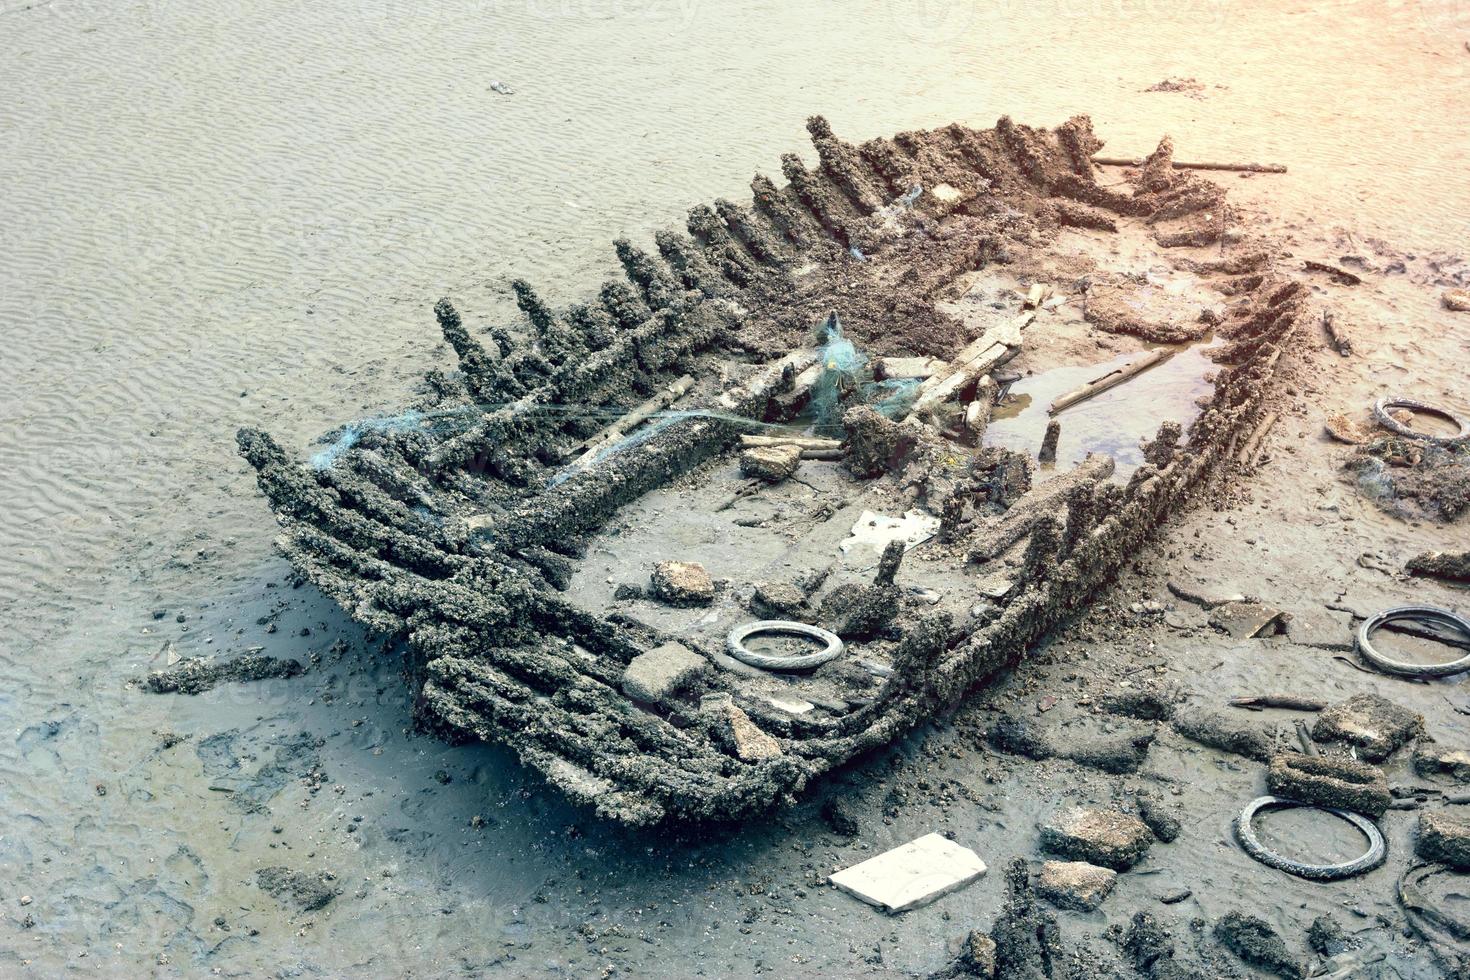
x: 460, y: 538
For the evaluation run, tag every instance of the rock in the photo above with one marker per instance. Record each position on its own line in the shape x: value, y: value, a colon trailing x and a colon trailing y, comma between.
x: 1444, y: 836
x: 306, y: 891
x: 1344, y: 429
x: 1175, y: 896
x: 838, y: 816
x: 1246, y: 619
x: 1098, y: 836
x: 779, y: 600
x: 770, y: 463
x: 1433, y: 759
x: 1220, y: 732
x: 1027, y: 936
x: 733, y: 727
x: 1116, y: 753
x: 626, y: 591
x: 978, y: 957
x: 1374, y: 724
x: 1457, y: 300
x: 1257, y: 944
x: 1451, y: 566
x: 1327, y: 938
x: 1334, y: 781
x: 1160, y: 817
x: 1189, y: 593
x: 1142, y: 703
x: 857, y: 611
x: 1075, y: 885
x: 912, y: 874
x: 1019, y: 737
x: 683, y: 583
x: 657, y: 675
x: 198, y: 676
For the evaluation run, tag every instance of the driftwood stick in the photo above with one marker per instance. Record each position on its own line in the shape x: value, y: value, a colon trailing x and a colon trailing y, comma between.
x: 1255, y: 168
x: 622, y: 426
x: 828, y: 454
x: 1253, y: 444
x: 1292, y: 702
x: 1337, y: 335
x: 1112, y: 379
x: 1305, y: 737
x: 805, y: 442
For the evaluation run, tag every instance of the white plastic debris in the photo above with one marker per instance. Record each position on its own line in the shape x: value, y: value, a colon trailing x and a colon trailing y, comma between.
x: 876, y: 530
x: 911, y: 875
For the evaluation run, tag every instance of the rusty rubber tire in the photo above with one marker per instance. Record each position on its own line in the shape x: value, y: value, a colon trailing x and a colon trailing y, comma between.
x: 1375, y: 855
x: 736, y: 645
x: 1417, y: 614
x: 1381, y: 416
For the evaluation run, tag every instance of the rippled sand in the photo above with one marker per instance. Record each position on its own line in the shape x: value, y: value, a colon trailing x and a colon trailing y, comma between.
x: 219, y: 213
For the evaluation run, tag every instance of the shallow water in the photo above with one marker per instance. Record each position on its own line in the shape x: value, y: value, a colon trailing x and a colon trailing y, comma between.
x: 224, y: 213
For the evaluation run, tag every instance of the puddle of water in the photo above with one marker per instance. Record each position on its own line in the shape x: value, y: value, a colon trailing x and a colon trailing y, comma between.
x: 1114, y: 422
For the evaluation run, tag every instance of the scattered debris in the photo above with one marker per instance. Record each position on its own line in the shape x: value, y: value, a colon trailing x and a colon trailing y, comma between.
x: 1075, y: 885
x: 197, y: 676
x: 1371, y: 858
x: 1243, y: 620
x: 1097, y: 836
x: 1330, y: 781
x: 500, y: 88
x: 1255, y: 942
x: 1444, y: 836
x: 911, y: 875
x: 683, y: 583
x: 1187, y: 86
x: 1374, y: 725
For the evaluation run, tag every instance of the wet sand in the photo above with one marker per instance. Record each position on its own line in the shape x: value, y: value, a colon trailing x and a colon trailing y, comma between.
x: 220, y: 214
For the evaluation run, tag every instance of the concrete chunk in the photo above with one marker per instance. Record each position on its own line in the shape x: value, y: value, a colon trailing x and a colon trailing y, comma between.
x: 733, y: 727
x: 683, y: 583
x: 1432, y: 759
x: 1374, y: 724
x: 1335, y: 781
x: 1107, y: 837
x: 911, y: 875
x: 1444, y: 836
x: 1075, y: 884
x: 655, y: 676
x: 770, y: 463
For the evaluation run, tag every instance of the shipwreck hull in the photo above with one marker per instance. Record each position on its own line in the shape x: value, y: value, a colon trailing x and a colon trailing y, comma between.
x: 458, y: 527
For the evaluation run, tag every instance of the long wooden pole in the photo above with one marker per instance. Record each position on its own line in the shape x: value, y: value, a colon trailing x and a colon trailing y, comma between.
x: 1109, y: 380
x: 1255, y: 168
